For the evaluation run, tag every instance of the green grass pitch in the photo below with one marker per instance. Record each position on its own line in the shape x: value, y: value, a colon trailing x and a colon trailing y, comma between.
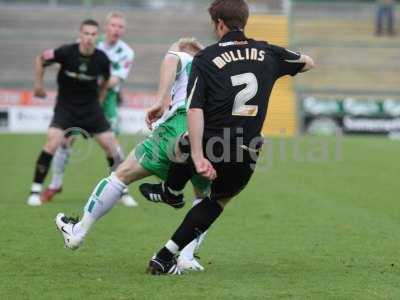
x: 319, y: 220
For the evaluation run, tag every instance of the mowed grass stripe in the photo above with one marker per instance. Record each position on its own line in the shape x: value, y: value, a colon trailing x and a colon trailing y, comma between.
x: 327, y: 229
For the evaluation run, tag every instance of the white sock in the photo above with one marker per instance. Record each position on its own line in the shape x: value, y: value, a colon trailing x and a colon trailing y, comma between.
x: 172, y: 247
x: 60, y: 160
x: 36, y: 187
x: 199, y: 241
x: 196, y: 201
x: 188, y: 251
x: 194, y: 245
x: 105, y: 195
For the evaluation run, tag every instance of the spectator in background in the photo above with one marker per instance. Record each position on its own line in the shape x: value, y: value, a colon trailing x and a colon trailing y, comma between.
x: 385, y: 14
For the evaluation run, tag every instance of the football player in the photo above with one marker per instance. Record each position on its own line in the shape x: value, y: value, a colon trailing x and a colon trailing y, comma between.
x: 121, y: 57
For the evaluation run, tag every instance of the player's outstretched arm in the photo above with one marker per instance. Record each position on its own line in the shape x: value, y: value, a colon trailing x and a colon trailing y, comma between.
x: 39, y: 90
x: 168, y: 71
x: 292, y: 63
x: 308, y: 63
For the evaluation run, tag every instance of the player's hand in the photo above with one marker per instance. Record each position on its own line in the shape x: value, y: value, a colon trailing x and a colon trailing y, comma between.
x: 205, y: 168
x: 153, y: 114
x: 39, y: 91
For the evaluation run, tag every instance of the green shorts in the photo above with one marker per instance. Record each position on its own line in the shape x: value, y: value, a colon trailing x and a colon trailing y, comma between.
x: 155, y: 153
x: 110, y: 109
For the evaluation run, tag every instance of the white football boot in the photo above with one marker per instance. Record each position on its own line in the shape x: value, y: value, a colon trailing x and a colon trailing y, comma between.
x: 34, y: 199
x: 189, y: 264
x: 128, y: 200
x: 65, y: 225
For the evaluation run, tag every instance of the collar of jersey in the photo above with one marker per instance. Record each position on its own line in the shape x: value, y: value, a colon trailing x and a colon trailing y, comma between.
x: 234, y: 35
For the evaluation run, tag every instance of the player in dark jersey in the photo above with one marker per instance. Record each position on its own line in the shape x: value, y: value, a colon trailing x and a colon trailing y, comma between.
x: 228, y: 89
x: 82, y: 83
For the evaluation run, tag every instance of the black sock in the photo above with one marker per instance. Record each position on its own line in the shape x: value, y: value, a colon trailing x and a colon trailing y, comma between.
x: 197, y: 221
x: 42, y: 167
x: 178, y: 175
x: 110, y: 162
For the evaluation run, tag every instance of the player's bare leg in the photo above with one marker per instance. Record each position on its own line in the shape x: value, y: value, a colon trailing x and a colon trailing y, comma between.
x: 54, y: 140
x: 108, y: 141
x: 103, y: 198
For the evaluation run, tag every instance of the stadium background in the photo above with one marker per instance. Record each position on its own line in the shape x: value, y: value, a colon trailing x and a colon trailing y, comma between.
x: 352, y: 62
x: 323, y: 214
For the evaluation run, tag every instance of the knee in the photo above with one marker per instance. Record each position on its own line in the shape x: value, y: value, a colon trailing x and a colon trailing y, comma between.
x: 51, y: 145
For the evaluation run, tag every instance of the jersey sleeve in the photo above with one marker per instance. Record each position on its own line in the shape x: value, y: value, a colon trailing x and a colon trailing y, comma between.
x: 196, y: 87
x: 124, y: 66
x: 57, y: 55
x: 179, y: 67
x: 288, y: 61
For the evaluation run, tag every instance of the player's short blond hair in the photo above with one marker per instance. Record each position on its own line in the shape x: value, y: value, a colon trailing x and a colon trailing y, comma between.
x: 189, y: 43
x: 115, y: 14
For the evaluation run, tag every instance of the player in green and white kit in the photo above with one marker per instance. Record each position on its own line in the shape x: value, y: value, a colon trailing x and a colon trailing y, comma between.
x: 152, y: 156
x: 168, y: 119
x: 121, y: 57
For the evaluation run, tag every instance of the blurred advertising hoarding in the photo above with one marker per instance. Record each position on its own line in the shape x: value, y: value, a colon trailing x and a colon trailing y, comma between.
x: 350, y: 115
x: 21, y: 112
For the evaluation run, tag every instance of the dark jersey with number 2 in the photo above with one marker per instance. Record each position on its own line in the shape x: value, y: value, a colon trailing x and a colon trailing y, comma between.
x: 232, y: 82
x: 79, y: 75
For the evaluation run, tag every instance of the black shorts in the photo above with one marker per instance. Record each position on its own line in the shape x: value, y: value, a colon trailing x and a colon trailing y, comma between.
x: 233, y: 173
x: 91, y: 121
x: 232, y: 177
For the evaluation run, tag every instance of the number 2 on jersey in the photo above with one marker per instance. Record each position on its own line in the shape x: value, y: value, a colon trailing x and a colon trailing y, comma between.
x: 239, y: 106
